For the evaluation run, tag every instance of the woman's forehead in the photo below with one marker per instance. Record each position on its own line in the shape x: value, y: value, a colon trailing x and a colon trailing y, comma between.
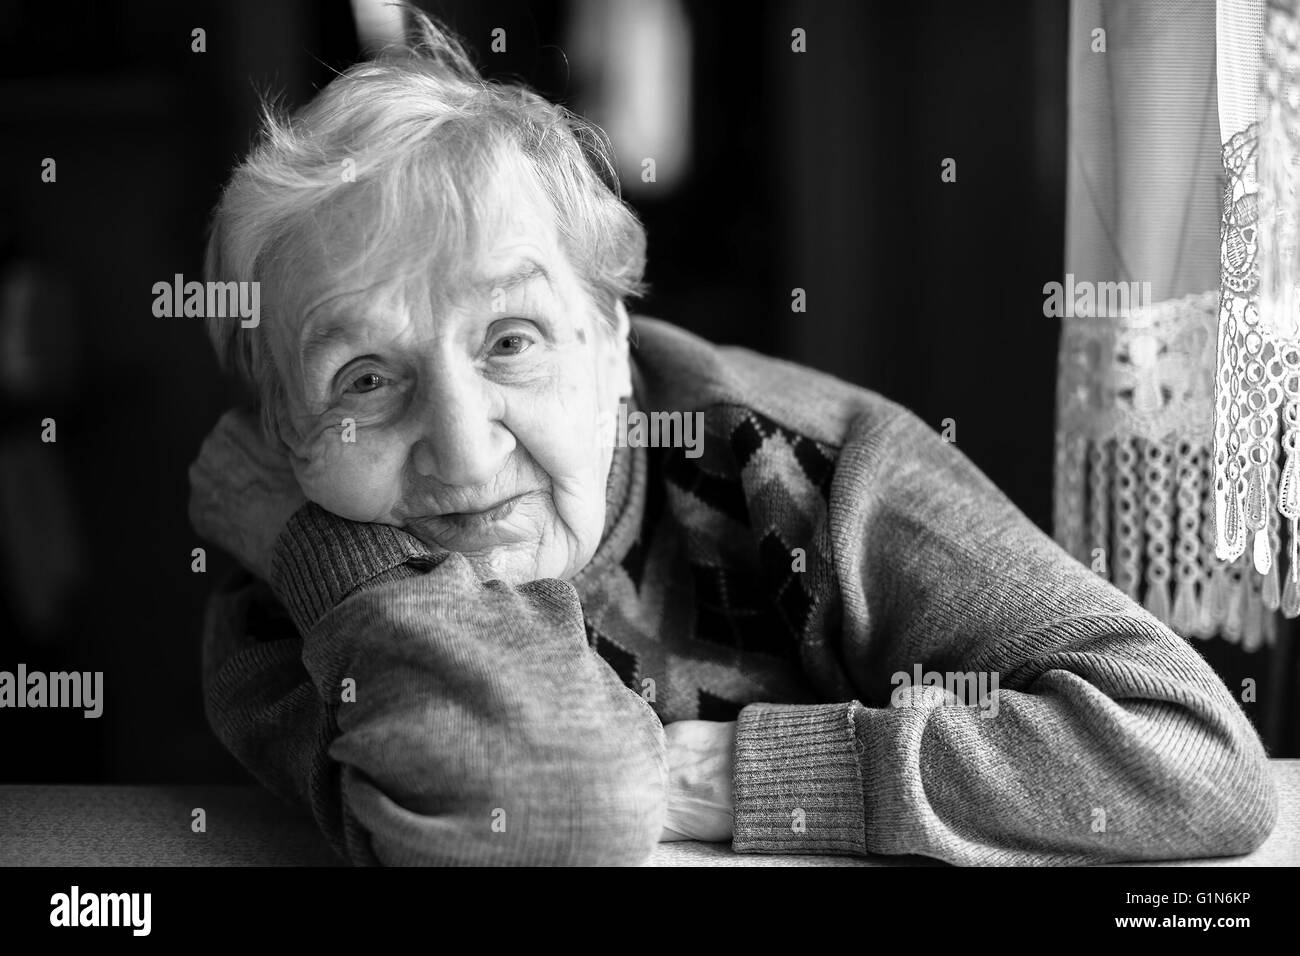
x: 441, y: 250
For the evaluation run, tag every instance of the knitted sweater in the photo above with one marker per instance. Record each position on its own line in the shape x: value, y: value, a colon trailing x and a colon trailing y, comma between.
x: 823, y: 551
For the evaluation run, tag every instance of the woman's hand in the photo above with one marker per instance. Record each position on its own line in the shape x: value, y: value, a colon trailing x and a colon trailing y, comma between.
x: 700, y: 762
x: 242, y: 491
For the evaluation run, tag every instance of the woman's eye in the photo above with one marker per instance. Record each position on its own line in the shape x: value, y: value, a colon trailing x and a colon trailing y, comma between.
x: 511, y: 345
x: 367, y: 383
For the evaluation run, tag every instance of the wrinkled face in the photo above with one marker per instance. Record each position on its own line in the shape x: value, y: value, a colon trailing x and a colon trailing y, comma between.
x: 475, y: 411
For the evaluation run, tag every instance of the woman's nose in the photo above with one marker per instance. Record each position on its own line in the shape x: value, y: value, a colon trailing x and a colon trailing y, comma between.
x: 461, y: 440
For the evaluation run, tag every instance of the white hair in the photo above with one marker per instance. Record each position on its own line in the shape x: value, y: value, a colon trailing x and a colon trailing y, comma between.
x: 419, y: 129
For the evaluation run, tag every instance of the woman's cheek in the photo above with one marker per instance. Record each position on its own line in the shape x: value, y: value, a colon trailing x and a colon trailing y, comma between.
x: 566, y: 433
x: 359, y: 480
x: 565, y: 424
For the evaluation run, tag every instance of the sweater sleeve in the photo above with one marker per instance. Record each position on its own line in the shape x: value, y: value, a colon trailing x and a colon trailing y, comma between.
x: 426, y: 717
x: 1105, y: 738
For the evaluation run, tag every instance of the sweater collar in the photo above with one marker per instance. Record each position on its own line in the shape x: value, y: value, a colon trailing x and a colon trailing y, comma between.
x: 625, y: 496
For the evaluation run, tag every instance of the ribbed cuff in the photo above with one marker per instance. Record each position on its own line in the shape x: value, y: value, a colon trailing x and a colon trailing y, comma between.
x: 321, y: 558
x: 797, y: 782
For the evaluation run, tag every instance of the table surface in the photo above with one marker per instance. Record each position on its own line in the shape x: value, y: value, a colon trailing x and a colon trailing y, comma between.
x: 44, y: 825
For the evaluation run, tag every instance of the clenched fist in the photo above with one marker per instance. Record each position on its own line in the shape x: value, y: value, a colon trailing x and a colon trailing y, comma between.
x: 242, y: 491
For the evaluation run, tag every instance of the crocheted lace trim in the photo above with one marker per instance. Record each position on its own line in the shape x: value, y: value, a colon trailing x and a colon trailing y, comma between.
x: 1134, y: 462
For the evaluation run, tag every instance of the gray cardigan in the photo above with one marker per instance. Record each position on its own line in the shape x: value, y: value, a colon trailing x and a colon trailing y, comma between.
x: 824, y: 551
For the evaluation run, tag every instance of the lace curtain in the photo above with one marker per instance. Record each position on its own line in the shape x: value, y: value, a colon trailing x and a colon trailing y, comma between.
x: 1179, y: 385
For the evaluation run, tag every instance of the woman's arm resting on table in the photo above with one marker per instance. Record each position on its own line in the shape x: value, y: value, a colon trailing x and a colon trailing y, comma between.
x: 1108, y: 738
x: 464, y: 722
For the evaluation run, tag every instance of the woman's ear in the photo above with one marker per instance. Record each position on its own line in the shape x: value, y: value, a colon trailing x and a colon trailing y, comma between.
x: 621, y: 358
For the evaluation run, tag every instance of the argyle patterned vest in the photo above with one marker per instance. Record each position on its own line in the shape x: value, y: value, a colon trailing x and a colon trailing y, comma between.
x: 713, y: 580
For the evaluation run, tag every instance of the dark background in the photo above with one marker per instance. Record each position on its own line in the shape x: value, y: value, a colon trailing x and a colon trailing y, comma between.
x: 819, y: 170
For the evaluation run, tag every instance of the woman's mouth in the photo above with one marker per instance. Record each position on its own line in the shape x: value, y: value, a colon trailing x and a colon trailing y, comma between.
x: 478, y: 530
x: 489, y: 514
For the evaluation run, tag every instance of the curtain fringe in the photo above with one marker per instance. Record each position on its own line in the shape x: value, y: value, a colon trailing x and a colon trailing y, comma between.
x: 1145, y: 522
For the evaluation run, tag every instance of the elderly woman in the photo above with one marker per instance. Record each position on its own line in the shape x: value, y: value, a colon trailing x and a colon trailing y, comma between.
x: 500, y: 613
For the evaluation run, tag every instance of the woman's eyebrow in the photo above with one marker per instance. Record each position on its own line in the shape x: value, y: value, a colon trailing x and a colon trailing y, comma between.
x: 526, y: 271
x: 318, y: 339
